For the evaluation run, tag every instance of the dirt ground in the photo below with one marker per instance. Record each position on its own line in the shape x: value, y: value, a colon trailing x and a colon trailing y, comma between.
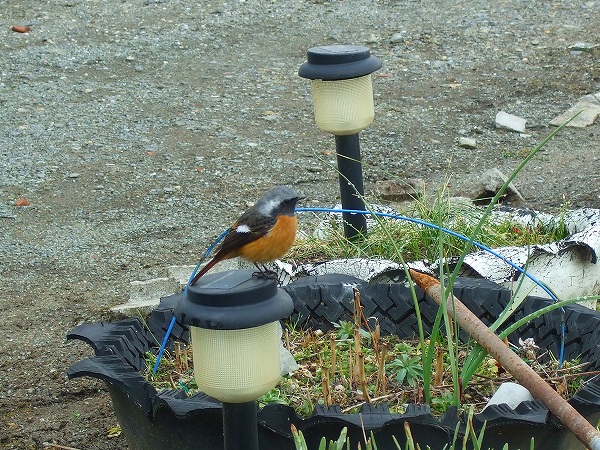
x: 138, y: 129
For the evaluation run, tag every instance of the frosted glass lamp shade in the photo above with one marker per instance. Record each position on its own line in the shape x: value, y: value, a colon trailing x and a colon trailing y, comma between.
x: 343, y: 107
x: 233, y: 318
x: 236, y: 366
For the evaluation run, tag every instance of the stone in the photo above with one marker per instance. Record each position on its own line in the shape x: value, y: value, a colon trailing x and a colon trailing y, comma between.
x: 398, y: 191
x: 466, y: 142
x: 5, y: 213
x: 588, y: 105
x: 485, y: 186
x: 510, y: 122
x: 396, y: 37
x: 583, y: 47
x: 439, y: 65
x: 145, y: 295
x: 372, y: 39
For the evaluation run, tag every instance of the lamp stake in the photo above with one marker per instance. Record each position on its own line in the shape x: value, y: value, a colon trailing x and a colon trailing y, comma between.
x: 351, y: 183
x: 240, y: 429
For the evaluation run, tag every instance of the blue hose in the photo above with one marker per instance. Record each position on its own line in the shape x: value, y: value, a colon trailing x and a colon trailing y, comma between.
x: 397, y: 217
x: 163, y: 345
x: 466, y: 239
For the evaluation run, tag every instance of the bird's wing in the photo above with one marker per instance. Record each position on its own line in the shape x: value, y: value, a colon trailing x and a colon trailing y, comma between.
x: 246, y: 229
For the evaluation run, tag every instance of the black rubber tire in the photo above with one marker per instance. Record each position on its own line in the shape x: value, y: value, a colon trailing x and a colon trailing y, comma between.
x: 170, y: 420
x: 321, y: 301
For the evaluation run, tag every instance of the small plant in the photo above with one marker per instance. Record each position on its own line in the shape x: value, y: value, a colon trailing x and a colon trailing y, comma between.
x: 339, y: 444
x: 273, y: 396
x: 440, y: 403
x: 344, y: 330
x: 470, y: 440
x: 356, y: 370
x: 175, y: 370
x: 407, y: 368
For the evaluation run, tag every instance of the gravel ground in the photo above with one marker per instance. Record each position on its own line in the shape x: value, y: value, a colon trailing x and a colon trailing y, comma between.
x: 138, y: 129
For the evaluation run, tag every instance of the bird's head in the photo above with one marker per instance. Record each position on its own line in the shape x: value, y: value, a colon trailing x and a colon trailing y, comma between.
x: 281, y: 200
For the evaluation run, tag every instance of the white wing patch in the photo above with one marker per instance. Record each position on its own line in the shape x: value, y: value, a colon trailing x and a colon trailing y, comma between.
x: 243, y: 228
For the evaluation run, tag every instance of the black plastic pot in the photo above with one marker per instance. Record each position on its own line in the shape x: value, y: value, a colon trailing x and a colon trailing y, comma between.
x: 172, y: 420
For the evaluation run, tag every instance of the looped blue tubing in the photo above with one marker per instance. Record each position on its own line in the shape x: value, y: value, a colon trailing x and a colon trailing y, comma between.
x: 406, y: 219
x: 163, y: 345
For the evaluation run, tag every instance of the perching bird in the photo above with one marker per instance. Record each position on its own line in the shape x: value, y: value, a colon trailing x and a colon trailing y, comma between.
x: 263, y: 233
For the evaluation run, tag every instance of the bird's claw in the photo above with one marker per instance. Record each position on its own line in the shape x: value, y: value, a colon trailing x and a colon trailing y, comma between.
x: 267, y: 274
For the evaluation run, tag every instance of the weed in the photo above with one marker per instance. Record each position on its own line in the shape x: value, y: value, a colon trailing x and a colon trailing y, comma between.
x: 407, y: 368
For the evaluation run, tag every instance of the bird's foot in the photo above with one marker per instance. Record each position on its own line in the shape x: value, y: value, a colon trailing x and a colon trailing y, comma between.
x: 265, y: 273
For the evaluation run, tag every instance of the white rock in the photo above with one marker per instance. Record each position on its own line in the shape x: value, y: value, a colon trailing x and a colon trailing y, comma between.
x: 466, y: 142
x: 396, y: 37
x: 583, y: 47
x: 588, y: 105
x: 509, y: 122
x: 145, y: 295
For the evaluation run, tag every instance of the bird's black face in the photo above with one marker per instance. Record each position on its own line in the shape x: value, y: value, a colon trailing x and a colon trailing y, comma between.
x: 288, y: 206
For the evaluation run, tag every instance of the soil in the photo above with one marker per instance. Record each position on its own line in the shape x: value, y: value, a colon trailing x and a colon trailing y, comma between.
x: 139, y: 129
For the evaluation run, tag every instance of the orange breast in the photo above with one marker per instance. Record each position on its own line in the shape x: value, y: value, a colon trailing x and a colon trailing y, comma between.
x: 274, y: 244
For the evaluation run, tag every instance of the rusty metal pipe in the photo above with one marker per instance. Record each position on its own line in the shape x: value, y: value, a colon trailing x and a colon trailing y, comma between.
x: 587, y: 434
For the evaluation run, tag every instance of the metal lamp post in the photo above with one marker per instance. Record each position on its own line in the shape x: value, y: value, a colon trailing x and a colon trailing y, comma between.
x: 343, y: 102
x: 233, y: 319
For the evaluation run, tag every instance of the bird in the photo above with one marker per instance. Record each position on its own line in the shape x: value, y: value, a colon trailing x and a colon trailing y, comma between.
x: 263, y: 233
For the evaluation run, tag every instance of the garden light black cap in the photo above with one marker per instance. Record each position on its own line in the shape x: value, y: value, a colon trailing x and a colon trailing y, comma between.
x: 338, y: 62
x: 232, y: 300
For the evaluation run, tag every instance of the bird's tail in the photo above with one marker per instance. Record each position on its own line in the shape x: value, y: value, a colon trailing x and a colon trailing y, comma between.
x: 205, y: 269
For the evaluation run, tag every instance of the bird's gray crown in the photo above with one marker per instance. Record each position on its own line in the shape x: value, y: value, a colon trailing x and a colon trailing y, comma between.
x: 279, y: 200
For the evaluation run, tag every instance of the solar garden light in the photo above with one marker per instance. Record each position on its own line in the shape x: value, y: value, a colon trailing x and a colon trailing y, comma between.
x: 234, y: 328
x: 342, y: 93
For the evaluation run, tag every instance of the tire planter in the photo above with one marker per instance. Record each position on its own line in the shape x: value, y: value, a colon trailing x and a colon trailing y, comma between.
x: 172, y: 420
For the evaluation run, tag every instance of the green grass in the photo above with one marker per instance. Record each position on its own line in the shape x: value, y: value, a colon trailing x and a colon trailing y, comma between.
x: 388, y: 236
